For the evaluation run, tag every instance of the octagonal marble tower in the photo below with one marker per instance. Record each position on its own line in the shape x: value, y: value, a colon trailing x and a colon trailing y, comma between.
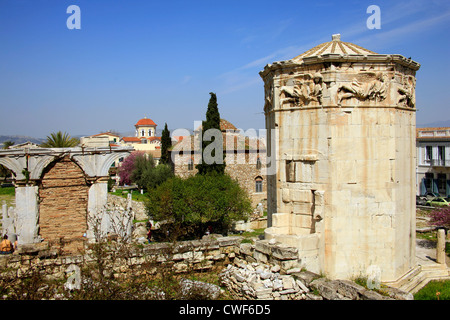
x: 340, y: 123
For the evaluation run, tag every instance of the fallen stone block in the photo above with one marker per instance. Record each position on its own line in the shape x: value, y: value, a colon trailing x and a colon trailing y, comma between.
x: 246, y: 248
x: 229, y: 241
x: 306, y: 276
x: 287, y: 291
x: 371, y: 295
x: 398, y: 294
x: 350, y: 289
x: 263, y: 246
x: 327, y: 289
x: 284, y: 253
x: 302, y: 286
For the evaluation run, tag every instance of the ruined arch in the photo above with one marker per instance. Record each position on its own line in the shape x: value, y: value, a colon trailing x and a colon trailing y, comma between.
x: 14, y: 165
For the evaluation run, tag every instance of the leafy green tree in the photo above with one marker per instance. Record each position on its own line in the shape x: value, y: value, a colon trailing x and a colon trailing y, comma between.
x: 189, y: 206
x: 146, y: 174
x: 212, y: 123
x: 166, y: 143
x: 142, y: 163
x: 60, y: 140
x: 157, y: 175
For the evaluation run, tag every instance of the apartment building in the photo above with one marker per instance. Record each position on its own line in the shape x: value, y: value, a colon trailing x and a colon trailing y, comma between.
x: 433, y: 161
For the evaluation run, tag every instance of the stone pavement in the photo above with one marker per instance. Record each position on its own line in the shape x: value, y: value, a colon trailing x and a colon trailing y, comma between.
x: 426, y: 252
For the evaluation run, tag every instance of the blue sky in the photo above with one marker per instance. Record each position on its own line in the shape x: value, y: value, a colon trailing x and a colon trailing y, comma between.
x: 161, y: 59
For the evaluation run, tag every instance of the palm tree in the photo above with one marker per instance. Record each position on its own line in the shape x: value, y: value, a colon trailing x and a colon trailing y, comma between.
x: 7, y: 144
x: 60, y: 140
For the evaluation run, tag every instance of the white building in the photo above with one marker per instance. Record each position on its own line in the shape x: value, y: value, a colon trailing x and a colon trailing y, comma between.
x: 433, y: 161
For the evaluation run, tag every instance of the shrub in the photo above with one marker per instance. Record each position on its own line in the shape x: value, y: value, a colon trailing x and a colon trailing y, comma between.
x: 440, y: 218
x: 140, y: 169
x: 127, y: 167
x: 189, y: 206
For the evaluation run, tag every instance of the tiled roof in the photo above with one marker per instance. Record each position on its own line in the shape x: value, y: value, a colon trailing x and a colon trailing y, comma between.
x: 335, y: 46
x: 131, y: 139
x: 145, y: 122
x: 224, y: 126
x: 139, y: 139
x: 433, y: 133
x: 105, y: 134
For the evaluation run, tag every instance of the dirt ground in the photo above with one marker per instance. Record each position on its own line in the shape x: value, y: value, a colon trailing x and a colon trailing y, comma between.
x: 10, y: 201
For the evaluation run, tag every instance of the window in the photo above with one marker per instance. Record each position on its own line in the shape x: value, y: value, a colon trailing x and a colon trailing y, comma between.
x: 258, y: 184
x: 441, y: 155
x: 149, y: 132
x: 190, y: 165
x: 442, y: 186
x: 428, y: 153
x: 428, y: 181
x: 258, y: 163
x: 142, y: 132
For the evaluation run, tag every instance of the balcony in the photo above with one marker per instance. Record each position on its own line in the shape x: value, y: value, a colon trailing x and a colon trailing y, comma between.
x: 438, y: 163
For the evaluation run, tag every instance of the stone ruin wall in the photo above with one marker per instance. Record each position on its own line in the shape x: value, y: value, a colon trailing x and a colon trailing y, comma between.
x: 122, y: 260
x: 261, y: 271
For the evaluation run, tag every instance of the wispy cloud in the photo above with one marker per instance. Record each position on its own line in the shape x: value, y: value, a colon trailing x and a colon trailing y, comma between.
x: 417, y: 26
x: 389, y: 35
x: 398, y: 20
x: 186, y: 79
x: 240, y: 85
x: 265, y: 33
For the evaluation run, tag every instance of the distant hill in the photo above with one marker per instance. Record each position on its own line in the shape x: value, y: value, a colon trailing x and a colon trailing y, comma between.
x: 437, y: 124
x: 20, y: 139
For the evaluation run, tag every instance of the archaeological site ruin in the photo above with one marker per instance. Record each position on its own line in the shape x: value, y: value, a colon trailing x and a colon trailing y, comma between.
x: 57, y: 190
x: 340, y: 121
x: 341, y: 180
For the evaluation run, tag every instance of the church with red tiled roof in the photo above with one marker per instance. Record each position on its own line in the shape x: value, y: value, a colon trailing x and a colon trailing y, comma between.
x: 145, y: 138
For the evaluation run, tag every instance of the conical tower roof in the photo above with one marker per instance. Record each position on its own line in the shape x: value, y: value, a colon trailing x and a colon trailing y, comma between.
x: 339, y: 51
x: 335, y: 46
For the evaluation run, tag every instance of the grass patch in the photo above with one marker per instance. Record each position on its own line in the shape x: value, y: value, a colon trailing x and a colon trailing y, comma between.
x: 434, y: 290
x: 252, y: 234
x: 135, y: 194
x: 8, y: 191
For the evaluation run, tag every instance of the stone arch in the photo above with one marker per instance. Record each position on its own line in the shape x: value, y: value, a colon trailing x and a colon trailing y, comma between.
x: 98, y: 165
x: 15, y: 165
x: 109, y: 160
x: 38, y: 164
x: 63, y: 205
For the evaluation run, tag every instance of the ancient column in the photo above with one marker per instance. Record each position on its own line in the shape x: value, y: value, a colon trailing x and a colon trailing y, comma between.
x: 440, y: 247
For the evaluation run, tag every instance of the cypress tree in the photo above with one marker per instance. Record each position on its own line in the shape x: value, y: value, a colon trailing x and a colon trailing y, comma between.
x: 212, y: 122
x: 166, y: 143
